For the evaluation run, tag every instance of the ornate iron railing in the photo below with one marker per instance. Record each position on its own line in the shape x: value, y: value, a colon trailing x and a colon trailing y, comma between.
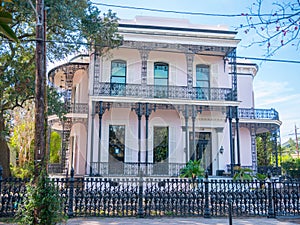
x: 159, y: 91
x: 54, y: 168
x: 132, y: 169
x: 142, y: 196
x: 81, y: 108
x: 251, y: 113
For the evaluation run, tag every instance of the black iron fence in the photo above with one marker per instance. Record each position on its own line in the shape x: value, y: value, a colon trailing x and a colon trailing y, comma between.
x: 146, y: 197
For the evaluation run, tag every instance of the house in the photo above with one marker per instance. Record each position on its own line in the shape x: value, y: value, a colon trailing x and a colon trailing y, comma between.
x: 172, y: 92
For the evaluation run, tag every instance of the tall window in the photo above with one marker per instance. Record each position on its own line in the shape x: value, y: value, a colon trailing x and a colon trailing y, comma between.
x: 160, y: 150
x: 161, y: 76
x: 202, y: 76
x: 202, y: 81
x: 116, y: 148
x: 161, y: 144
x: 118, y: 77
x: 161, y: 73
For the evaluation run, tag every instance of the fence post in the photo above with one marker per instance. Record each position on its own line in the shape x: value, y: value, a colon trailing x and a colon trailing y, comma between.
x: 206, y: 203
x: 1, y: 172
x: 230, y: 209
x: 71, y: 194
x: 140, y: 212
x: 271, y: 213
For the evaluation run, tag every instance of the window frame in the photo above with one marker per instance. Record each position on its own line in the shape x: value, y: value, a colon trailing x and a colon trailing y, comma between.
x: 116, y: 76
x: 157, y: 78
x: 203, y: 80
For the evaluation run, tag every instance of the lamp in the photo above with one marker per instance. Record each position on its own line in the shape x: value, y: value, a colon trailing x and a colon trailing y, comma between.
x: 221, y: 150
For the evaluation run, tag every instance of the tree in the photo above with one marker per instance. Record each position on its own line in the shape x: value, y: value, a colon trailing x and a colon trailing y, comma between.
x: 68, y: 32
x: 276, y: 23
x: 5, y: 19
x: 264, y: 147
x: 23, y: 134
x: 55, y: 147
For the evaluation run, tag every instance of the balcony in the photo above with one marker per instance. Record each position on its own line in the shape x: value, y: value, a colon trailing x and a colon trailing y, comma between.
x: 169, y: 92
x: 79, y: 108
x: 132, y: 169
x: 266, y: 114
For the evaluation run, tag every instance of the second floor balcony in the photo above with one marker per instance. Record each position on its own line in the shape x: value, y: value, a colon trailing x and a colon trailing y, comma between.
x: 162, y: 92
x: 261, y: 114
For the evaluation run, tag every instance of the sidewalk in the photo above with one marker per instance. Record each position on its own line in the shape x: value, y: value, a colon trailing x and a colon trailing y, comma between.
x: 180, y: 220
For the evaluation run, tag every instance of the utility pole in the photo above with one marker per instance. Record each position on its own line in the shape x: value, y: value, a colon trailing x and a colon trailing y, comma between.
x: 297, y: 144
x: 40, y: 92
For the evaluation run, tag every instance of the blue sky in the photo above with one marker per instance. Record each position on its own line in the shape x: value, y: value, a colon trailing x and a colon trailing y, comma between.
x: 276, y: 84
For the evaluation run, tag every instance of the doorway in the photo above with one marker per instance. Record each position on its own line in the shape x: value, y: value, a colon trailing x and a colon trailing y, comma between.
x: 202, y: 149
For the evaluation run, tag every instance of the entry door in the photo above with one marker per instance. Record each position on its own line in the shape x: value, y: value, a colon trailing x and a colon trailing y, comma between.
x: 202, y: 149
x: 116, y: 149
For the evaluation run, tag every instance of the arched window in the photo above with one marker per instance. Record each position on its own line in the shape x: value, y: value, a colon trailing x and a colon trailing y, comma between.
x: 118, y: 78
x: 161, y: 73
x: 118, y: 72
x: 202, y: 76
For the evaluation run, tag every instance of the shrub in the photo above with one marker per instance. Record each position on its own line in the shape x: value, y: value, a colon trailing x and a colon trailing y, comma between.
x: 192, y: 170
x: 42, y: 204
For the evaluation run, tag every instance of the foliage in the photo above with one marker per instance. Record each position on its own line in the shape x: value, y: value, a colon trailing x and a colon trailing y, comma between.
x: 264, y: 149
x: 292, y: 167
x: 67, y: 33
x: 192, y: 169
x: 275, y: 23
x: 55, y: 147
x: 44, y: 197
x: 5, y: 19
x: 55, y: 103
x: 22, y: 139
x: 261, y: 177
x: 243, y: 174
x: 26, y: 171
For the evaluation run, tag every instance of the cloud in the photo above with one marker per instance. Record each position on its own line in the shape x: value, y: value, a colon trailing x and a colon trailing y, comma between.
x: 271, y: 93
x: 286, y: 100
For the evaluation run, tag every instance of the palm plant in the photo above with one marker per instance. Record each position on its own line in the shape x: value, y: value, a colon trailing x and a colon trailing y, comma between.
x: 243, y: 174
x: 192, y: 170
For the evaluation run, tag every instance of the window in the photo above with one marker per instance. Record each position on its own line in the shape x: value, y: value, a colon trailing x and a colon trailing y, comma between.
x: 160, y: 150
x: 161, y: 76
x: 202, y: 81
x: 161, y: 73
x: 118, y: 77
x: 116, y: 148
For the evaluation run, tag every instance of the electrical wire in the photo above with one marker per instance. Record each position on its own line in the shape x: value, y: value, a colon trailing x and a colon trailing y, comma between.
x: 185, y: 12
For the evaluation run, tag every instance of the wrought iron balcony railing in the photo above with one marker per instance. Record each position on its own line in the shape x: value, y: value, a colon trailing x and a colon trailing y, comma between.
x: 269, y: 114
x: 132, y: 169
x: 80, y: 108
x: 160, y: 91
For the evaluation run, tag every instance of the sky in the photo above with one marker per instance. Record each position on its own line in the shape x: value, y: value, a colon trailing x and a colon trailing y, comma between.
x: 276, y: 85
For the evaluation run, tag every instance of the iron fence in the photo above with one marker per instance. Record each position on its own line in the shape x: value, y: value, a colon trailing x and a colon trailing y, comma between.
x: 147, y: 197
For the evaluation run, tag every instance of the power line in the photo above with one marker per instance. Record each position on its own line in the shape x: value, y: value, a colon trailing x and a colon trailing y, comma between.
x: 185, y: 12
x: 269, y: 60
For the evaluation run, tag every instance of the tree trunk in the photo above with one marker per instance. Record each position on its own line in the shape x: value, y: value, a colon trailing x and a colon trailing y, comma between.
x: 4, y: 150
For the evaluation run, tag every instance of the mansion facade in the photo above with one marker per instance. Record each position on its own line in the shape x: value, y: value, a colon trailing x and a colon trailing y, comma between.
x: 172, y: 92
